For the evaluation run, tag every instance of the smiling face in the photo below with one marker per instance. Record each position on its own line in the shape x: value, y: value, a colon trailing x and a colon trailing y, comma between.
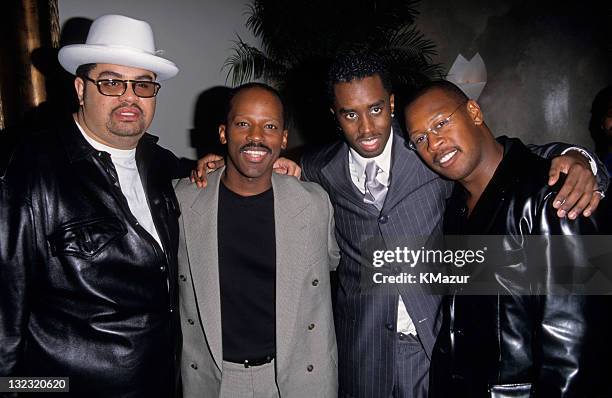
x: 457, y: 150
x: 363, y: 109
x: 255, y: 136
x: 118, y: 122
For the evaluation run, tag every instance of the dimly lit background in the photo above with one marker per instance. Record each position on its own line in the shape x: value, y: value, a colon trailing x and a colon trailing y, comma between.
x: 545, y: 60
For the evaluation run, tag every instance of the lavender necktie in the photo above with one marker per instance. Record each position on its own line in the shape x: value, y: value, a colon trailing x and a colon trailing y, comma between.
x: 375, y: 190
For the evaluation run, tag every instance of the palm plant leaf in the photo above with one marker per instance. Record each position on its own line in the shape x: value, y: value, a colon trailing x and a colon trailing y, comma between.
x: 299, y: 38
x: 248, y: 63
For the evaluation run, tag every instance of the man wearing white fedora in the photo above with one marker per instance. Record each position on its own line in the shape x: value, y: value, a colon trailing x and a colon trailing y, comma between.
x: 88, y: 230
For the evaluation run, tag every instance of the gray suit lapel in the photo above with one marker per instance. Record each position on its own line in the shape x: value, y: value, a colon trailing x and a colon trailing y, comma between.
x: 290, y: 219
x: 202, y: 248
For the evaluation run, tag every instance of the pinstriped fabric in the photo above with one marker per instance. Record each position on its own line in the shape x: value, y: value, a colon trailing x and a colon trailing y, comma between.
x: 366, y: 316
x: 410, y: 365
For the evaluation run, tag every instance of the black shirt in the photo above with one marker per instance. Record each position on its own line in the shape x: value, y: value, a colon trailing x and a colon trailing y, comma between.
x: 247, y: 274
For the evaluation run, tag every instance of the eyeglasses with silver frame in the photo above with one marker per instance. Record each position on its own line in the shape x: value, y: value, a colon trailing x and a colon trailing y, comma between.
x: 117, y: 87
x: 419, y: 140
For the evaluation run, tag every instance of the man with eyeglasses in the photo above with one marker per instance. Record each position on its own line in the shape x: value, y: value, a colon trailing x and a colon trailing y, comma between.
x: 531, y: 331
x: 89, y: 230
x: 383, y: 197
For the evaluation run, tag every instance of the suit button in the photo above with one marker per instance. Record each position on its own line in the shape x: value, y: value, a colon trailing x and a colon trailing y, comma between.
x: 182, y: 277
x: 383, y: 219
x: 162, y: 268
x: 190, y: 321
x: 315, y: 282
x: 309, y: 368
x: 389, y: 326
x: 311, y: 326
x: 194, y: 365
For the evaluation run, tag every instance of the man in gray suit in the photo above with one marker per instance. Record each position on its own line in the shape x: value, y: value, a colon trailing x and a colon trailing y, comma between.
x: 255, y: 253
x: 384, y: 195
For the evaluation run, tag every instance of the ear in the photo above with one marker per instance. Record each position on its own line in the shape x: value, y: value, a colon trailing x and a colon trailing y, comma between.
x: 392, y: 102
x: 79, y: 87
x: 285, y: 136
x: 475, y: 112
x: 222, y: 134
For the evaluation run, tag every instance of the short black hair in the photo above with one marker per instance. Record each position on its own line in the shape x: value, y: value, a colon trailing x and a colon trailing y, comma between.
x: 451, y: 89
x: 247, y: 86
x: 83, y: 70
x: 347, y: 67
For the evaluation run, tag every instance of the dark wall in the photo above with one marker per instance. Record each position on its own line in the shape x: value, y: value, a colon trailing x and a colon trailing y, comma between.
x: 545, y: 60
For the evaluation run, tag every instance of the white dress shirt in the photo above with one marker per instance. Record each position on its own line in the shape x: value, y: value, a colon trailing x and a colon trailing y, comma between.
x: 124, y: 161
x: 357, y: 164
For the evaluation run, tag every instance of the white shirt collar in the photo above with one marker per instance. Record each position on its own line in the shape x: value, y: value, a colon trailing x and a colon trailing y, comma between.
x: 114, y: 152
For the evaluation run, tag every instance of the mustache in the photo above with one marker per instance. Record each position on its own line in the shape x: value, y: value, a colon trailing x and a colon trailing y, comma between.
x: 372, y: 135
x: 126, y: 105
x: 255, y: 145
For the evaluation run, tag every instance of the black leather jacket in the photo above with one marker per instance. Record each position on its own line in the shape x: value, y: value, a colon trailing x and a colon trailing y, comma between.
x: 85, y: 291
x: 520, y: 342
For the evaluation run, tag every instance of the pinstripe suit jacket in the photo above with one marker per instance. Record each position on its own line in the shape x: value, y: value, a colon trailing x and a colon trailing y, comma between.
x: 366, y: 317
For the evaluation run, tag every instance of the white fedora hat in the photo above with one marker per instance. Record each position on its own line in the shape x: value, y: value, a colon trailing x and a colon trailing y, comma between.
x: 116, y: 39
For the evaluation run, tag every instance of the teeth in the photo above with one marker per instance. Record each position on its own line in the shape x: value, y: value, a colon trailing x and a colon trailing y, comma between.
x: 448, y: 156
x: 255, y: 153
x: 127, y: 114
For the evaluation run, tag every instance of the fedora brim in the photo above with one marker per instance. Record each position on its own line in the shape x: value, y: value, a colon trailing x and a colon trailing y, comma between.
x: 72, y: 56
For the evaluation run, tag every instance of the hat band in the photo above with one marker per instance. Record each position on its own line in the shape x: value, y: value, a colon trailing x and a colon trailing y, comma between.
x: 134, y: 49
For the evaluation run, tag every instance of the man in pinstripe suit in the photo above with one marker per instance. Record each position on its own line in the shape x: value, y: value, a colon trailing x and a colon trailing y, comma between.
x: 385, y: 333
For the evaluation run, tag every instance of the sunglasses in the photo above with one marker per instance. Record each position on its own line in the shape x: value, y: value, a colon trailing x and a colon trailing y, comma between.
x: 116, y: 87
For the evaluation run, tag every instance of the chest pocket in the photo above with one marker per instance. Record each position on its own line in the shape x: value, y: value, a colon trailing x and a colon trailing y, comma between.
x: 85, y: 239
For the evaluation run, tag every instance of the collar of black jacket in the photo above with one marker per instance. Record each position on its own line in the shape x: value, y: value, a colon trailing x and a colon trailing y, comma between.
x: 78, y: 148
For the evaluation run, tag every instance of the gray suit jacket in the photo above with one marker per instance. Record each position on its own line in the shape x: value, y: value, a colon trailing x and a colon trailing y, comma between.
x: 306, y: 251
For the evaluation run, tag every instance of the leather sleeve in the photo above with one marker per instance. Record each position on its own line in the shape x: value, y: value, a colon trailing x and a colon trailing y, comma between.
x: 16, y: 249
x: 553, y: 149
x: 567, y: 320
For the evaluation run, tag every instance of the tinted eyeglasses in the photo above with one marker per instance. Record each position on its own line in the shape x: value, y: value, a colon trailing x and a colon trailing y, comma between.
x: 419, y: 140
x: 116, y: 87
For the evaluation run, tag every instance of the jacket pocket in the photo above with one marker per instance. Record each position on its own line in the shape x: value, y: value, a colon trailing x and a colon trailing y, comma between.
x: 87, y: 238
x: 522, y: 390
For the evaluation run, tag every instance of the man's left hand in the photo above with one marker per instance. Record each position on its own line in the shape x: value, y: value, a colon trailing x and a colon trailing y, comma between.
x: 577, y: 195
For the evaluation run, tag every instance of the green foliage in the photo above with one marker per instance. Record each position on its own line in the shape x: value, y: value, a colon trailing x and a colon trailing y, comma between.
x: 299, y: 38
x: 294, y: 33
